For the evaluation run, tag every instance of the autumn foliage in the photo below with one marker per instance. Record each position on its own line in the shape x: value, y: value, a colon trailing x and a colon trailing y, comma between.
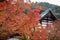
x: 14, y: 20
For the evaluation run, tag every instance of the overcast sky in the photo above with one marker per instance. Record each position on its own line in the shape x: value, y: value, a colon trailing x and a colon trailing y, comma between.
x: 56, y: 2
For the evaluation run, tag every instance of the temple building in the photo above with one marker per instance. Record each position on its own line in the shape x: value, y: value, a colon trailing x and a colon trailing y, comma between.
x: 47, y: 16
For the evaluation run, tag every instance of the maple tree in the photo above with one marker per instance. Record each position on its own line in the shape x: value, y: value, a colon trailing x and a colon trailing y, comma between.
x: 14, y: 20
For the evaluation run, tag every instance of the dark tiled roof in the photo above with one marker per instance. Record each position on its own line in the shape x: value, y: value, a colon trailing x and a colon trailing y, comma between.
x: 46, y: 12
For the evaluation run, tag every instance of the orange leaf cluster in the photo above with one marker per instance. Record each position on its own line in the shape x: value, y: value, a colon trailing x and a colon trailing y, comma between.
x: 40, y: 34
x: 15, y: 21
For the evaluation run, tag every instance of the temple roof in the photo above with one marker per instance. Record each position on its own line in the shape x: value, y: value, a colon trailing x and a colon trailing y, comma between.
x: 45, y: 14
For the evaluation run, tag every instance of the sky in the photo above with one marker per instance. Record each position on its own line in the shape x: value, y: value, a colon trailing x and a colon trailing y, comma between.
x: 56, y: 2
